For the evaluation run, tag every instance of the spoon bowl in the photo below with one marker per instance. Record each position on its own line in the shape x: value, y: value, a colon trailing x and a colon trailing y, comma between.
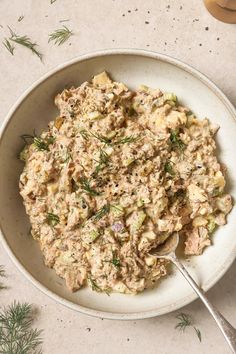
x: 166, y: 248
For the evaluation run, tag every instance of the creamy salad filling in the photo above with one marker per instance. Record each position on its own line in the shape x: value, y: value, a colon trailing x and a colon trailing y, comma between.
x: 114, y: 175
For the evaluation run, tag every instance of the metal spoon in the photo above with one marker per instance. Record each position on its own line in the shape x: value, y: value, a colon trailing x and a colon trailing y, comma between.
x: 167, y: 251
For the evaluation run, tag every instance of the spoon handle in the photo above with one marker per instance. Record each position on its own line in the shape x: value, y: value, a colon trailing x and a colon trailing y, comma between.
x: 226, y: 328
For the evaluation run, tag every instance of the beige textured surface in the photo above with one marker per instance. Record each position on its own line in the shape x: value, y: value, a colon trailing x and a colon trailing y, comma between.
x: 182, y: 29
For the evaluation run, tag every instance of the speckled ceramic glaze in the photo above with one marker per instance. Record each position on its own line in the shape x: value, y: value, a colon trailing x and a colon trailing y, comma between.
x: 35, y: 109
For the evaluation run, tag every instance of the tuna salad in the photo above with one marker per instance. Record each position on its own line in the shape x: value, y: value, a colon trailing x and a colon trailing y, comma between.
x: 113, y: 176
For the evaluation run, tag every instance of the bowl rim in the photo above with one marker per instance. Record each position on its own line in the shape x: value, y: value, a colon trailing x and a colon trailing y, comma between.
x: 85, y: 310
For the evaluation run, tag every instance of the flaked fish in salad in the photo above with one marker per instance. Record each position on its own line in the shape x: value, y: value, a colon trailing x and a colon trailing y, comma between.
x: 113, y: 176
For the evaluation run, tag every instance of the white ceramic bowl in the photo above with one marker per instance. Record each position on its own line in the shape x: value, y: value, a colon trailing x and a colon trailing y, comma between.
x: 35, y: 109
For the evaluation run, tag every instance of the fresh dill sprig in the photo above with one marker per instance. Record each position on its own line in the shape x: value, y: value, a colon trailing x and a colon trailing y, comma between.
x: 175, y: 140
x: 52, y: 219
x: 85, y: 184
x: 68, y: 156
x: 85, y: 134
x: 97, y: 288
x: 127, y: 139
x: 16, y: 334
x: 25, y: 41
x: 66, y: 20
x: 115, y: 261
x: 104, y: 157
x: 103, y: 161
x: 60, y: 35
x: 94, y: 285
x: 20, y: 18
x: 97, y: 170
x: 199, y: 335
x: 186, y: 321
x: 40, y: 143
x: 28, y: 138
x: 8, y: 46
x: 43, y: 144
x: 169, y: 168
x: 102, y: 212
x: 104, y: 139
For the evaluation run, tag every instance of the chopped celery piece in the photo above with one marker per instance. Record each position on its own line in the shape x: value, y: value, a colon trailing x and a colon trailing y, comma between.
x: 140, y: 203
x: 128, y: 162
x: 117, y: 210
x: 101, y: 79
x: 66, y: 258
x: 23, y: 154
x: 143, y: 88
x: 170, y: 97
x: 95, y: 115
x: 94, y: 234
x: 150, y: 235
x: 211, y: 225
x: 111, y: 135
x: 136, y: 225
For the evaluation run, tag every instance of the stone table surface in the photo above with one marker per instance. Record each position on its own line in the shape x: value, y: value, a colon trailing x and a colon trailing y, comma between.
x: 182, y: 29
